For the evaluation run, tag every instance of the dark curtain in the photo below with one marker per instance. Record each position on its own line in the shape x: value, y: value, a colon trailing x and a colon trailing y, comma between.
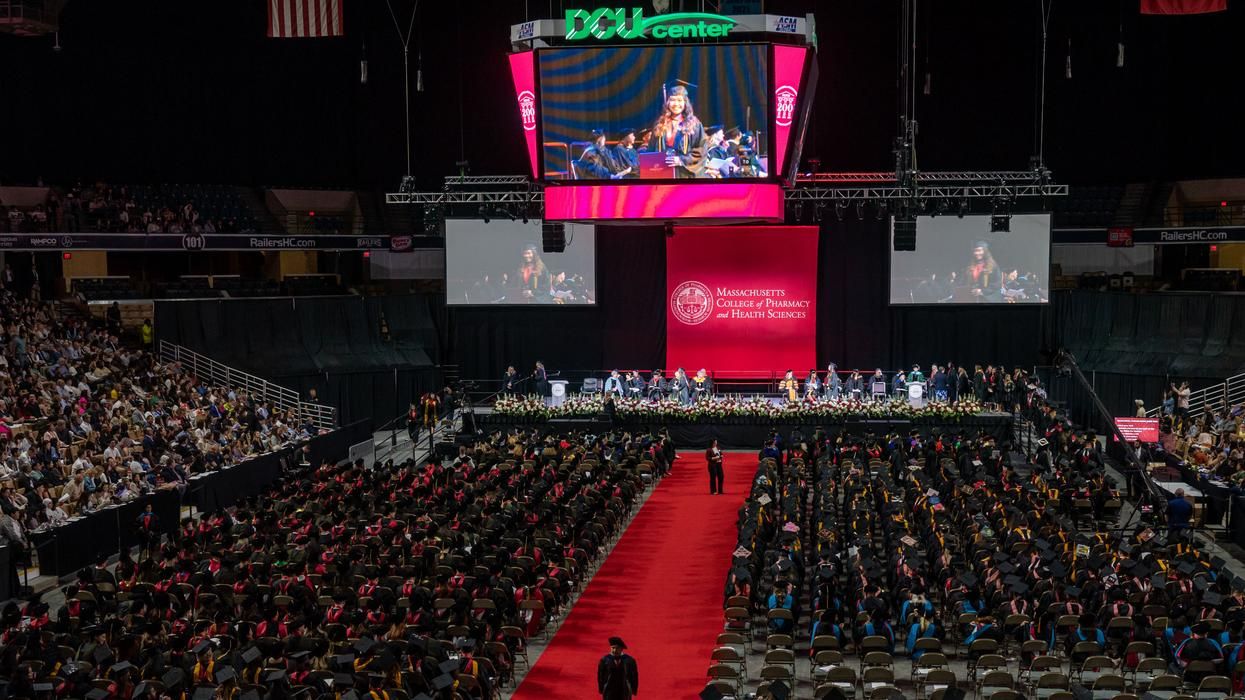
x: 627, y: 327
x: 856, y: 326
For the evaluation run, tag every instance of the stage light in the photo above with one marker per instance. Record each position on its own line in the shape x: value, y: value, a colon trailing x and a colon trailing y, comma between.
x: 484, y: 213
x: 1000, y: 223
x: 799, y: 211
x: 840, y: 209
x: 819, y: 212
x: 881, y: 211
x: 963, y: 207
x: 943, y: 207
x: 860, y: 210
x: 511, y: 212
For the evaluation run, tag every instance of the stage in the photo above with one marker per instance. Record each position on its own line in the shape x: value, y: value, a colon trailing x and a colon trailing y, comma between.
x: 750, y: 433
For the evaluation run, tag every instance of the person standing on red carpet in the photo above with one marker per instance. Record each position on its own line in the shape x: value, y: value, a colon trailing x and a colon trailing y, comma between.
x: 618, y: 676
x: 713, y: 456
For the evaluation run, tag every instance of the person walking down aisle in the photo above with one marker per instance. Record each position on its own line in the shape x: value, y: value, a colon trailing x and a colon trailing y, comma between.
x: 713, y: 456
x: 618, y: 676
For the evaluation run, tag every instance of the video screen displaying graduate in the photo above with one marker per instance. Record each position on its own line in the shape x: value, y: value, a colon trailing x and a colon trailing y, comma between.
x: 958, y: 260
x: 655, y: 112
x: 503, y: 262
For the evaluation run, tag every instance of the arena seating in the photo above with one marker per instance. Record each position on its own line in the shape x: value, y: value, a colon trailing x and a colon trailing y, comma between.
x: 943, y: 554
x: 87, y: 422
x: 404, y: 578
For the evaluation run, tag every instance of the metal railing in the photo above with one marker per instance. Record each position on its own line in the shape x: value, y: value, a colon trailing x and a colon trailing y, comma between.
x: 219, y: 374
x: 1216, y: 397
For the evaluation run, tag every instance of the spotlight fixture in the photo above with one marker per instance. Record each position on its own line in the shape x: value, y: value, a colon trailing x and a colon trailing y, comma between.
x: 860, y: 210
x: 943, y: 207
x: 881, y: 211
x: 510, y: 211
x: 819, y: 212
x: 484, y: 213
x: 799, y: 211
x: 840, y: 209
x: 963, y: 207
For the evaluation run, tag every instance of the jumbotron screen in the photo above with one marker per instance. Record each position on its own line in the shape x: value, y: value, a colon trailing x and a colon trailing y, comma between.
x: 958, y: 260
x: 503, y: 263
x: 625, y: 113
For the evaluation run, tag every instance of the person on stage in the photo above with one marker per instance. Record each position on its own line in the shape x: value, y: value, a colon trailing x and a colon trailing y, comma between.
x: 702, y: 385
x: 855, y: 386
x: 713, y: 456
x: 614, y: 383
x: 597, y: 161
x: 680, y: 388
x: 877, y: 378
x: 812, y: 386
x: 679, y: 134
x: 635, y: 385
x: 656, y: 386
x: 533, y: 277
x: 625, y: 155
x: 618, y: 675
x: 983, y: 274
x: 789, y: 386
x: 510, y: 380
x: 899, y: 385
x: 542, y: 379
x: 833, y: 386
x: 412, y: 422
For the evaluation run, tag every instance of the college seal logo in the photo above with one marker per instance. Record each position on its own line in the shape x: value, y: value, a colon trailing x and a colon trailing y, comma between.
x: 784, y: 101
x: 527, y: 110
x: 691, y: 303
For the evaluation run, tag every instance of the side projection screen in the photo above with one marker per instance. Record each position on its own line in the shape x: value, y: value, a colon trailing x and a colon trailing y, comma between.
x: 959, y: 260
x: 504, y: 263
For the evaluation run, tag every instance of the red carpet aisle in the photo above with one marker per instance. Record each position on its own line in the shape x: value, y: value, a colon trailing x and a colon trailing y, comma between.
x: 660, y: 590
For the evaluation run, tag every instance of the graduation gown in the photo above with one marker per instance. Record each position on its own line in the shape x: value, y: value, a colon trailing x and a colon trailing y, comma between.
x: 618, y: 677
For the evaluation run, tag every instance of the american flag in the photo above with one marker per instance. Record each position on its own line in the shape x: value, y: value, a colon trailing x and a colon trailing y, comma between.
x: 292, y: 19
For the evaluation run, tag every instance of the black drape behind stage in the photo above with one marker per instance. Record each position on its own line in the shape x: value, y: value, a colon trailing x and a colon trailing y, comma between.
x: 855, y: 324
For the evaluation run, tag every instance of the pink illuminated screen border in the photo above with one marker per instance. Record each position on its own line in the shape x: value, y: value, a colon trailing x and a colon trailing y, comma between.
x: 717, y: 200
x: 523, y: 73
x: 788, y: 81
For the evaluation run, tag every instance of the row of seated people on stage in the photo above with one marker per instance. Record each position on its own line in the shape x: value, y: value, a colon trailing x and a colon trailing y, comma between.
x: 917, y: 544
x: 988, y: 385
x: 389, y: 579
x: 86, y: 422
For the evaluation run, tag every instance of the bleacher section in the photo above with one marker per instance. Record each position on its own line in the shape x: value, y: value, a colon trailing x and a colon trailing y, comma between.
x: 1087, y: 207
x: 218, y: 203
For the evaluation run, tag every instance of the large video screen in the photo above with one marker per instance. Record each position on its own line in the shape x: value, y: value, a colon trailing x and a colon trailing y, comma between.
x: 958, y: 260
x: 502, y: 262
x: 655, y: 112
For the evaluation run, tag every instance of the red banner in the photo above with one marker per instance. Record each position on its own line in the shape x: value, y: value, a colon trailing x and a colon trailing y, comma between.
x: 523, y: 73
x: 741, y: 299
x: 1182, y: 7
x: 788, y: 76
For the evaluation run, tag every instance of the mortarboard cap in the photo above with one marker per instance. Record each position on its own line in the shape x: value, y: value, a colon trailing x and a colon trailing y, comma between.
x: 252, y: 654
x: 225, y: 674
x: 300, y: 655
x: 121, y: 667
x: 364, y: 645
x: 422, y: 696
x: 1212, y: 599
x: 97, y: 694
x: 442, y: 681
x: 202, y: 647
x: 350, y: 695
x: 448, y: 666
x: 250, y: 695
x: 173, y: 678
x: 42, y: 687
x: 274, y: 676
x: 969, y: 579
x: 1058, y: 570
x: 1020, y: 588
x: 1072, y: 591
x: 343, y: 680
x: 203, y: 693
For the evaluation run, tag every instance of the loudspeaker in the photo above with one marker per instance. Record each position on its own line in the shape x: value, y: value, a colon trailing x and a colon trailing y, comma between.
x: 904, y: 233
x: 553, y: 237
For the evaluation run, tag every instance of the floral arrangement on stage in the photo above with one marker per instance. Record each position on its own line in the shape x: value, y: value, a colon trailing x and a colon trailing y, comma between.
x: 726, y: 408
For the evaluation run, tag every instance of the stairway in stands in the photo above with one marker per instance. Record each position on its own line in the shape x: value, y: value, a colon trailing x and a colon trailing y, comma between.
x: 1131, y: 209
